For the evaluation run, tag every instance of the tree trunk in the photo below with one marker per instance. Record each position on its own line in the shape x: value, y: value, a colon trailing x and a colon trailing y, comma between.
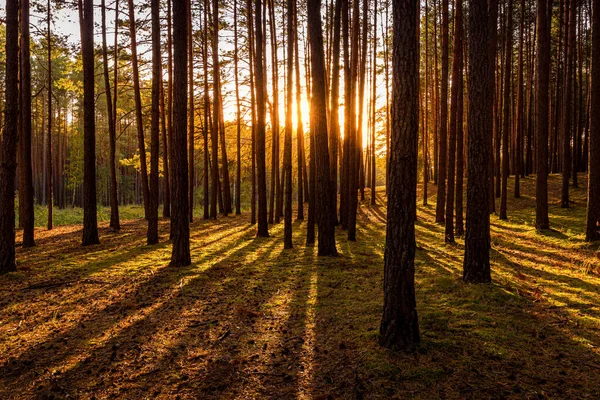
x: 334, y: 121
x: 507, y: 108
x: 90, y: 222
x: 263, y: 226
x: 443, y: 101
x: 8, y: 166
x: 544, y: 18
x: 138, y: 109
x: 49, y: 183
x: 287, y: 146
x: 592, y: 231
x: 567, y: 128
x: 26, y: 179
x: 191, y: 114
x: 520, y: 108
x: 180, y: 223
x: 318, y: 113
x: 238, y: 175
x: 112, y: 130
x: 457, y: 61
x: 152, y: 236
x: 399, y: 324
x: 482, y: 25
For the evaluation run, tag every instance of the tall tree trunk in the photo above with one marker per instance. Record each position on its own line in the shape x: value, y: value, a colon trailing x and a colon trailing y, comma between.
x: 8, y: 166
x: 372, y: 168
x: 482, y: 25
x: 152, y: 236
x: 215, y: 117
x: 399, y: 327
x: 287, y: 146
x: 112, y: 130
x: 169, y: 110
x: 261, y: 102
x: 138, y: 108
x: 238, y: 175
x: 26, y: 178
x: 318, y: 118
x: 251, y: 58
x: 567, y: 126
x: 49, y: 183
x: 334, y: 121
x: 507, y: 108
x: 544, y: 18
x: 592, y: 231
x: 460, y: 151
x: 344, y: 181
x: 180, y: 223
x: 443, y: 101
x: 191, y: 114
x: 353, y: 151
x: 457, y: 61
x: 520, y: 108
x: 90, y: 222
x: 206, y: 108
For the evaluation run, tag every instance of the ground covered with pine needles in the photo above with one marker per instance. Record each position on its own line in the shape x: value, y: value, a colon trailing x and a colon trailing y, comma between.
x: 250, y: 320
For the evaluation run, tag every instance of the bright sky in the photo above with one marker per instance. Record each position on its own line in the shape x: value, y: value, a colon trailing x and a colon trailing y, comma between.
x: 66, y: 23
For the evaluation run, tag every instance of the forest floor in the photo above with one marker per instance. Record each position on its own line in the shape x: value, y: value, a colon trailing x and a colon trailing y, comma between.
x: 250, y: 320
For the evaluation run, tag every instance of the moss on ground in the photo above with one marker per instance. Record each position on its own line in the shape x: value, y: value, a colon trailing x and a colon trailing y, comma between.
x: 250, y: 320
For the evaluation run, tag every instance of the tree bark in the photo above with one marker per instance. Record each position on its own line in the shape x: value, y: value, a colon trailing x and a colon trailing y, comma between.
x: 287, y: 145
x: 8, y: 161
x: 26, y: 169
x: 443, y: 101
x: 263, y: 226
x: 180, y: 224
x: 507, y: 109
x: 476, y: 266
x: 399, y: 327
x: 152, y: 236
x: 544, y: 18
x: 592, y: 231
x: 90, y: 222
x: 138, y: 108
x: 326, y: 244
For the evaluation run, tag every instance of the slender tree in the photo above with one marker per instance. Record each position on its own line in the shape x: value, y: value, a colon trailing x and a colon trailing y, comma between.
x: 152, y: 236
x: 138, y: 108
x: 544, y: 17
x: 507, y: 109
x: 287, y: 145
x: 238, y: 175
x: 567, y: 125
x: 112, y: 129
x: 399, y: 325
x: 49, y: 183
x: 180, y: 225
x: 457, y: 54
x: 592, y: 231
x: 8, y: 166
x: 191, y: 114
x: 90, y: 221
x: 443, y: 136
x: 26, y: 168
x: 261, y: 102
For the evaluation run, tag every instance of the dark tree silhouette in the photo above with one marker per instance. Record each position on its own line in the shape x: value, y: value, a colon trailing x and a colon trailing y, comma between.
x: 90, y: 221
x: 399, y: 324
x: 152, y: 236
x: 261, y: 103
x: 592, y: 231
x: 544, y: 17
x: 476, y: 266
x: 180, y: 224
x: 26, y: 210
x: 326, y: 219
x: 8, y: 165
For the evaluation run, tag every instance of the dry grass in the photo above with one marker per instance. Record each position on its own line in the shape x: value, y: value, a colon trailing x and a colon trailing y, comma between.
x: 250, y: 320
